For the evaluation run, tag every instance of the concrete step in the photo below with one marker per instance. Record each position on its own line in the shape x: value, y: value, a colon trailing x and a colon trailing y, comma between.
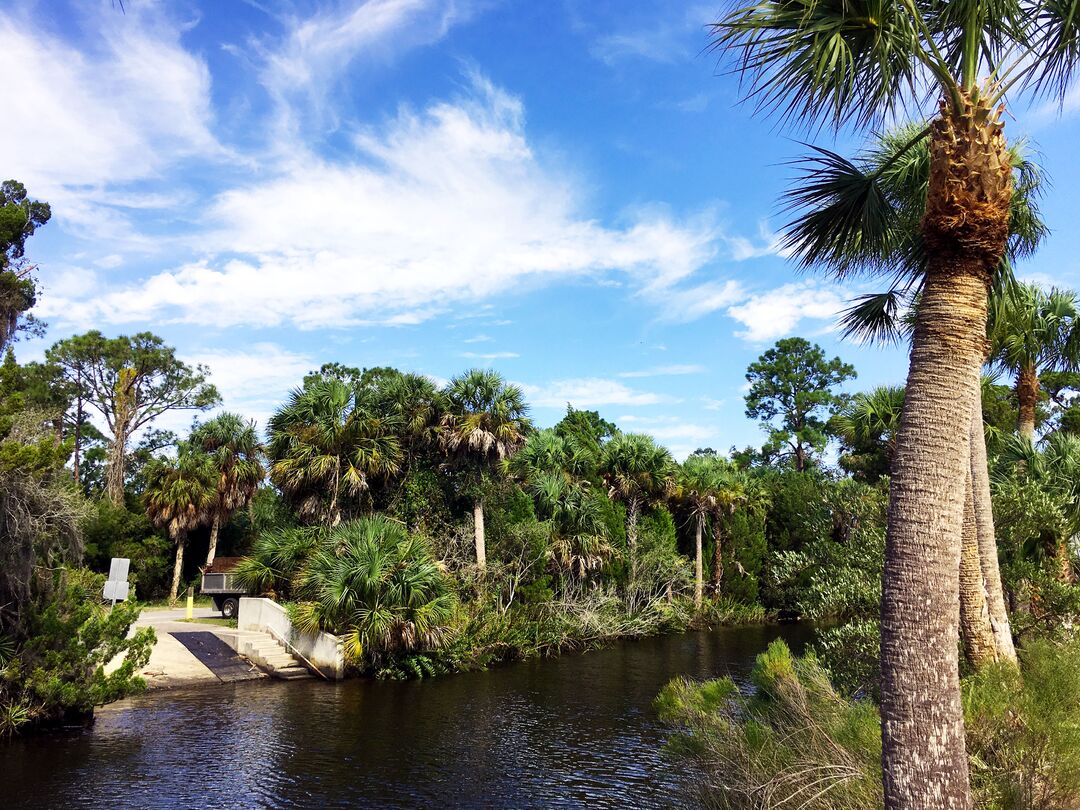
x: 272, y: 657
x: 293, y: 673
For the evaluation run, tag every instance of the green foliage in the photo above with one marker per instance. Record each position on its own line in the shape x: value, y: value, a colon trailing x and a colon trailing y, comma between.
x: 791, y: 742
x: 1022, y: 736
x: 56, y: 672
x: 20, y: 217
x: 328, y: 442
x: 798, y: 511
x: 744, y: 555
x: 131, y: 380
x: 371, y: 582
x: 850, y: 654
x: 791, y: 392
x: 866, y: 427
x: 113, y: 531
x: 277, y: 558
x: 837, y: 574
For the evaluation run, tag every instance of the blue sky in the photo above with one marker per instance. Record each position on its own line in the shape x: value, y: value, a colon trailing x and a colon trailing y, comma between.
x: 566, y: 191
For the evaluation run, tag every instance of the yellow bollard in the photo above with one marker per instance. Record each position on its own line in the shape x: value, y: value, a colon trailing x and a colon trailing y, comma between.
x: 190, y: 603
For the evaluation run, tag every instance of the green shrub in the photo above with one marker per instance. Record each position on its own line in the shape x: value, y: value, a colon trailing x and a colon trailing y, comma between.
x: 1023, y: 733
x: 56, y: 672
x: 850, y: 653
x: 379, y: 587
x: 792, y: 742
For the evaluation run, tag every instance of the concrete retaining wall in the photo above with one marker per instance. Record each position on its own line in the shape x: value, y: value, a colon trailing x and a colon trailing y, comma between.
x: 267, y: 616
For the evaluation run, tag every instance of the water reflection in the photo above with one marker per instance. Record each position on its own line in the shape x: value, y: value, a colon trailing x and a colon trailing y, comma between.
x: 578, y: 731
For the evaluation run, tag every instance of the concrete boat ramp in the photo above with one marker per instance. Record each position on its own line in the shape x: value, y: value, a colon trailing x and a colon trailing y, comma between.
x: 191, y: 653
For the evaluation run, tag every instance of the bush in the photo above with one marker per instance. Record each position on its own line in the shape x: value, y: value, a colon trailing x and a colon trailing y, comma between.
x: 794, y: 741
x: 791, y: 742
x: 56, y: 673
x: 850, y: 653
x: 379, y: 587
x: 1022, y: 732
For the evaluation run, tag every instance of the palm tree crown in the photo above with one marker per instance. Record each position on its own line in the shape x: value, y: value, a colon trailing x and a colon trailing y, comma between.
x: 329, y: 440
x: 636, y: 470
x: 1033, y: 331
x: 486, y: 419
x: 233, y: 445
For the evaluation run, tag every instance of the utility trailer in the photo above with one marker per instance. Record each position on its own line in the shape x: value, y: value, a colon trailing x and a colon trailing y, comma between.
x: 220, y: 584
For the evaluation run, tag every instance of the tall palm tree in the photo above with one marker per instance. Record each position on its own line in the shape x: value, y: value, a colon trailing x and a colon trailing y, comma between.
x: 696, y: 493
x: 486, y: 421
x: 180, y: 495
x: 902, y: 168
x: 327, y: 442
x: 1033, y: 331
x: 854, y: 62
x: 234, y: 447
x: 637, y: 470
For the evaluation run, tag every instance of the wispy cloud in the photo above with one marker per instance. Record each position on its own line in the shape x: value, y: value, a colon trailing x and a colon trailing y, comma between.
x: 666, y: 38
x: 665, y: 371
x: 447, y: 205
x: 302, y: 67
x: 589, y: 392
x: 93, y: 120
x: 490, y: 355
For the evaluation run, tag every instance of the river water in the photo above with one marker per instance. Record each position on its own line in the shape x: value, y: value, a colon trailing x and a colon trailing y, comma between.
x: 576, y: 731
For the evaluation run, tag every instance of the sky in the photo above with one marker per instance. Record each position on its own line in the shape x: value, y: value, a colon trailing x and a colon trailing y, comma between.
x: 568, y: 192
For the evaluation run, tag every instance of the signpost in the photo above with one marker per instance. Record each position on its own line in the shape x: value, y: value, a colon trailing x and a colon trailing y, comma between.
x: 116, y: 587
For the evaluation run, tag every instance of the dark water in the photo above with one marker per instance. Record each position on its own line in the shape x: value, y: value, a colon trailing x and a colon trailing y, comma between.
x: 577, y: 731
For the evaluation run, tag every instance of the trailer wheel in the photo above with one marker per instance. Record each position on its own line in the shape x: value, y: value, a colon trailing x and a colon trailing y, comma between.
x: 229, y: 608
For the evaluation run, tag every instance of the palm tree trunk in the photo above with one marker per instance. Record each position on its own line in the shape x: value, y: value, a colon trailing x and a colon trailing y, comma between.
x: 699, y: 574
x: 478, y: 533
x: 1064, y: 561
x: 988, y: 551
x: 976, y: 631
x: 215, y: 527
x: 718, y: 555
x: 964, y: 229
x: 632, y: 509
x: 178, y: 568
x: 1027, y: 397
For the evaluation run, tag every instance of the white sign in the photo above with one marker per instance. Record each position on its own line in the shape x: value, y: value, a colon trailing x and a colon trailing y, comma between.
x: 116, y: 587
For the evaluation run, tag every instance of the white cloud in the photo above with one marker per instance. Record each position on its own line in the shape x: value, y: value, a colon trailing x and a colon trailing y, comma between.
x: 690, y: 303
x: 478, y: 339
x: 439, y: 209
x: 92, y: 120
x: 255, y: 381
x: 681, y: 438
x: 490, y: 355
x: 778, y: 312
x: 665, y: 371
x: 306, y: 64
x: 589, y: 392
x: 670, y: 38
